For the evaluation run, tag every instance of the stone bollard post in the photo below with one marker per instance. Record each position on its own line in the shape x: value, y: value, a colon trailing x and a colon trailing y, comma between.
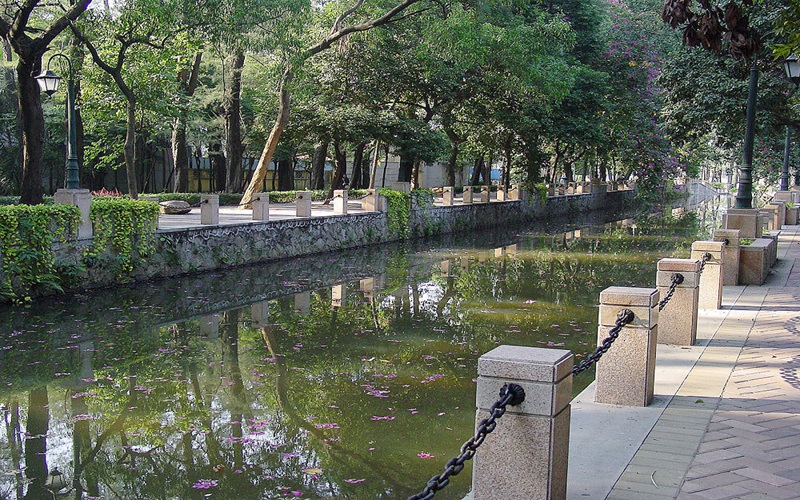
x: 402, y: 186
x: 467, y: 195
x: 447, y: 196
x: 209, y: 209
x: 745, y: 219
x: 304, y: 203
x: 501, y: 193
x: 373, y: 202
x: 259, y: 314
x: 778, y: 214
x: 526, y: 455
x: 340, y: 201
x: 261, y: 207
x: 626, y: 373
x: 515, y: 193
x: 784, y: 196
x: 485, y: 193
x: 82, y: 199
x: 678, y: 320
x: 713, y: 272
x: 302, y: 303
x: 337, y: 295
x: 551, y: 190
x: 209, y: 326
x: 730, y: 255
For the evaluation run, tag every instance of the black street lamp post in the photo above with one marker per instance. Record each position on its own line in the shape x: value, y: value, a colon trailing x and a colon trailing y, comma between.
x: 48, y: 82
x: 792, y: 67
x: 744, y: 194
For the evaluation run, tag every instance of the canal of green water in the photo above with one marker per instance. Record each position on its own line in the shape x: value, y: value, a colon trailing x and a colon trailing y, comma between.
x: 348, y: 375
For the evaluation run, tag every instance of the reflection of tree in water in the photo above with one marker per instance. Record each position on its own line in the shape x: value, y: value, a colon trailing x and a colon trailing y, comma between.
x: 255, y: 403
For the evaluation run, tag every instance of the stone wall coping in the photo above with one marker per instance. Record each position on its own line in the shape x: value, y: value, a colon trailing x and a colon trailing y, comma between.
x: 688, y: 265
x: 742, y: 211
x: 526, y: 363
x: 708, y: 246
x: 757, y: 244
x: 629, y: 296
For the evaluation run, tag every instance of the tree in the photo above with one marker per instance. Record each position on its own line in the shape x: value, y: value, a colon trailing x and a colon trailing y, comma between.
x: 16, y: 29
x: 110, y: 44
x: 337, y: 33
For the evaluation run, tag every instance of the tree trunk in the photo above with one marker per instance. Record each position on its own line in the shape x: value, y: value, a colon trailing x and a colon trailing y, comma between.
x: 505, y: 179
x: 359, y: 172
x: 318, y: 165
x: 452, y: 160
x: 130, y: 148
x: 272, y: 142
x: 415, y: 174
x: 285, y: 175
x: 180, y: 156
x: 568, y: 171
x: 477, y: 169
x: 179, y: 147
x: 405, y: 170
x: 217, y: 161
x: 375, y: 160
x: 232, y: 111
x: 32, y: 129
x: 340, y: 168
x: 486, y: 171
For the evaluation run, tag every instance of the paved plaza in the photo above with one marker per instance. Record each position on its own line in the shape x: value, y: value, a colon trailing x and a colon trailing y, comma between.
x: 725, y: 422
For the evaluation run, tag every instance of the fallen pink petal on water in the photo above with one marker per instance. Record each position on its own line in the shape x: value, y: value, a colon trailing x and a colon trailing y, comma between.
x: 426, y: 456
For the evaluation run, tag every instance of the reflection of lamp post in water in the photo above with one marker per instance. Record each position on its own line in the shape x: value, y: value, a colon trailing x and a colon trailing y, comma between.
x: 48, y: 82
x: 57, y: 483
x: 792, y: 67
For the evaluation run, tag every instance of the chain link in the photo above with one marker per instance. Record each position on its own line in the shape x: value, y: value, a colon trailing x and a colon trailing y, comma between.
x: 706, y: 257
x: 510, y: 394
x: 624, y: 317
x: 677, y: 279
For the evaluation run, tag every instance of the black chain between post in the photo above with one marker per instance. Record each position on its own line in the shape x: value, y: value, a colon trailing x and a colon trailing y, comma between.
x: 624, y: 317
x: 706, y: 257
x: 510, y: 394
x: 677, y: 279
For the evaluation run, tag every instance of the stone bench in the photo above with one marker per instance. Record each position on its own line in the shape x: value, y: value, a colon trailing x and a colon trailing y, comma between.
x: 754, y: 261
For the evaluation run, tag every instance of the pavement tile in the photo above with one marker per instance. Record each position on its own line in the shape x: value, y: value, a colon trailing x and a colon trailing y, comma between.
x: 717, y: 455
x: 764, y: 477
x: 723, y: 492
x: 769, y: 491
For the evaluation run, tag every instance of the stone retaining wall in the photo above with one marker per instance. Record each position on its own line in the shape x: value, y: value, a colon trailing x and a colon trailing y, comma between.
x: 195, y: 249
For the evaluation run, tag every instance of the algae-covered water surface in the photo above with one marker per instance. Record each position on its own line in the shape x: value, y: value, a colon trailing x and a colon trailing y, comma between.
x: 348, y: 375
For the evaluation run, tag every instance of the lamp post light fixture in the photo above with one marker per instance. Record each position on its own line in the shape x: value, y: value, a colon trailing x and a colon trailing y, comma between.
x: 48, y: 82
x: 792, y: 67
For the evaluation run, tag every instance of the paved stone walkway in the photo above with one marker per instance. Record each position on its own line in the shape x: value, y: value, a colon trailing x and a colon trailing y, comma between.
x: 732, y: 429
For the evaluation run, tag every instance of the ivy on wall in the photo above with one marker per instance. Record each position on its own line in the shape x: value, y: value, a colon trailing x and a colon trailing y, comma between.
x: 27, y: 234
x: 399, y: 211
x: 123, y: 231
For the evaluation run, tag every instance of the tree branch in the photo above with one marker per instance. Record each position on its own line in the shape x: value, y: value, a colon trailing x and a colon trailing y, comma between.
x: 326, y: 42
x: 338, y: 23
